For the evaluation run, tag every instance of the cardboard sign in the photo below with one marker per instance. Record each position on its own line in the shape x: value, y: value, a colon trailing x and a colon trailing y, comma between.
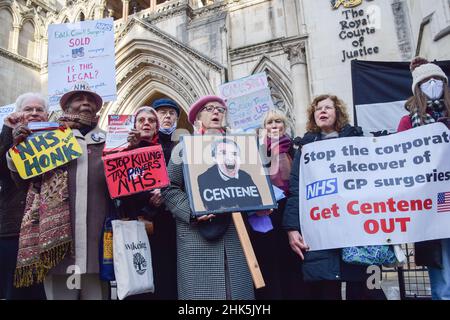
x: 135, y: 171
x: 373, y: 191
x: 44, y: 151
x: 81, y: 51
x: 5, y: 111
x: 248, y: 100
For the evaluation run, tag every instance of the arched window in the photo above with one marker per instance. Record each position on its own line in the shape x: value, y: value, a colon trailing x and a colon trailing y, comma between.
x: 6, y: 29
x: 26, y: 40
x: 81, y: 17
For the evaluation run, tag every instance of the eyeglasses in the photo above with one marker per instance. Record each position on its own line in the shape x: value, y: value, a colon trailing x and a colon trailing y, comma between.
x: 212, y: 108
x: 326, y: 108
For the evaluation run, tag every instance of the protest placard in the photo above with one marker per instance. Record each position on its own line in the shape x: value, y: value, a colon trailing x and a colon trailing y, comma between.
x: 248, y: 100
x: 44, y: 151
x: 5, y: 111
x: 371, y: 191
x: 118, y: 128
x: 135, y: 171
x: 81, y: 51
x: 225, y: 174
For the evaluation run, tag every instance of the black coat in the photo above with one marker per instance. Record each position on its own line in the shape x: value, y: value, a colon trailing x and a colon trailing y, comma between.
x: 323, y: 264
x: 12, y: 196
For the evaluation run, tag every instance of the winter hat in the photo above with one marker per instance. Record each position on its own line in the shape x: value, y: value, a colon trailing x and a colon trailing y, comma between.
x: 425, y: 71
x: 200, y: 103
x: 166, y: 103
x: 81, y: 87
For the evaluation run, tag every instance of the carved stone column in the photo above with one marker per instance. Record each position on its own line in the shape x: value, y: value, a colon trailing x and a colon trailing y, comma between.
x: 125, y: 8
x: 100, y: 11
x: 15, y: 39
x: 152, y: 5
x: 300, y: 88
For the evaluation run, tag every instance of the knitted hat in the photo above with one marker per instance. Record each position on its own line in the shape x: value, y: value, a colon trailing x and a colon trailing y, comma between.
x: 200, y: 103
x: 425, y: 71
x: 166, y: 103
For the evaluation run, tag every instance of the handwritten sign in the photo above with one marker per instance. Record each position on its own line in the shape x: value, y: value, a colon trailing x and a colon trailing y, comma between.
x: 371, y: 191
x: 5, y: 111
x: 248, y: 100
x: 44, y: 151
x: 82, y: 51
x: 135, y: 171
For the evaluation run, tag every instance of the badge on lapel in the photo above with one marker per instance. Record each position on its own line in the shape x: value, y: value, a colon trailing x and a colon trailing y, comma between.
x: 98, y: 136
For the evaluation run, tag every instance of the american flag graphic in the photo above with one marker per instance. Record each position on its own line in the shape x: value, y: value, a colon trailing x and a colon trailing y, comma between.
x: 443, y: 202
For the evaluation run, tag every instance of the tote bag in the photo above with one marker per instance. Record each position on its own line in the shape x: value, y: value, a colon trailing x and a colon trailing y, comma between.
x: 132, y: 258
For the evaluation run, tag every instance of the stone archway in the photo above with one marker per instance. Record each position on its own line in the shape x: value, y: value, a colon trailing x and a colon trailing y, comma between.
x: 151, y: 64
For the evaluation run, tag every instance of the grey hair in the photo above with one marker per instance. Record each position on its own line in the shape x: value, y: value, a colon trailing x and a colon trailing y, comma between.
x: 36, y: 95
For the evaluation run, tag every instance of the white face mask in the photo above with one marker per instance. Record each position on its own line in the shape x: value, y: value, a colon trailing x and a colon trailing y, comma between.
x: 433, y: 88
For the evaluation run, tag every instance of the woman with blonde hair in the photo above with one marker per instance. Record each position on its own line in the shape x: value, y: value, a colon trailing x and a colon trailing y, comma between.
x: 275, y: 258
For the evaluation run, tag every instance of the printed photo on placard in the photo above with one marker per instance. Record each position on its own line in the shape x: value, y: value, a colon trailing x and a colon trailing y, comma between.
x: 225, y: 174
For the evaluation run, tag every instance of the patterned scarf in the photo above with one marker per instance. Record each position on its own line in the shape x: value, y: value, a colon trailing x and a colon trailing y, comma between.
x: 46, y: 232
x: 435, y: 110
x: 80, y: 118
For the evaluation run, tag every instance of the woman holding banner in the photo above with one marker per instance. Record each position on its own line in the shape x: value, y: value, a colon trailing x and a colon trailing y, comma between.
x: 324, y: 270
x: 207, y: 268
x: 148, y: 207
x: 430, y: 103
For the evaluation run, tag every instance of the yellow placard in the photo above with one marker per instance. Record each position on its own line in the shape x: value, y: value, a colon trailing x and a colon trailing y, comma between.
x: 44, y: 151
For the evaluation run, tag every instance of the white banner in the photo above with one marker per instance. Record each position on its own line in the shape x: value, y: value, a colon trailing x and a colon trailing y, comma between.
x: 82, y: 51
x: 248, y: 100
x: 367, y: 191
x: 5, y: 111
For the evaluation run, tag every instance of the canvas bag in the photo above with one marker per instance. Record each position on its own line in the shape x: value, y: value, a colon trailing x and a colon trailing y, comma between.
x: 132, y: 258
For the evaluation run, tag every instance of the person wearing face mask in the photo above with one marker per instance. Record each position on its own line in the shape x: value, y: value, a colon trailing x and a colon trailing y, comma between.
x: 430, y: 103
x: 168, y: 113
x: 431, y: 95
x: 30, y: 107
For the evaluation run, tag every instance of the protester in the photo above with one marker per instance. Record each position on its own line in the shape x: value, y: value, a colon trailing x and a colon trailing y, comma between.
x: 148, y: 207
x: 30, y: 107
x: 430, y: 103
x: 207, y: 269
x: 324, y: 270
x: 226, y: 174
x: 275, y: 258
x: 168, y: 114
x: 75, y: 201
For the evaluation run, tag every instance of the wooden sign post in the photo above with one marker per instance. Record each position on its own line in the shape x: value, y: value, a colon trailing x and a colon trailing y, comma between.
x: 252, y: 262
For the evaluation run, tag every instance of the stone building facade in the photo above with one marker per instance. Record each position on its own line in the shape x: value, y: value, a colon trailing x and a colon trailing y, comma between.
x: 184, y: 49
